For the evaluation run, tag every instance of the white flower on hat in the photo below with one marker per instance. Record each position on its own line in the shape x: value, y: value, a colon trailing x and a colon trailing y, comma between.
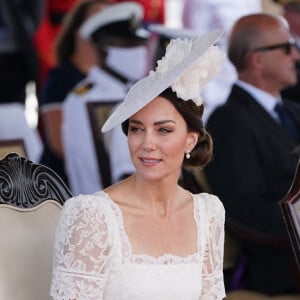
x: 191, y: 83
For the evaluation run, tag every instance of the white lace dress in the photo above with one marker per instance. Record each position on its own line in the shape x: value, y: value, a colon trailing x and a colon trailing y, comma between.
x: 94, y: 260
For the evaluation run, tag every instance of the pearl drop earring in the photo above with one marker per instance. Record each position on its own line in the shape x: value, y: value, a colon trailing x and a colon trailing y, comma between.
x: 187, y: 155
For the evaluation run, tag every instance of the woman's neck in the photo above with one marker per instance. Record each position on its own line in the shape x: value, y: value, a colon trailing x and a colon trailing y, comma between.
x: 159, y: 197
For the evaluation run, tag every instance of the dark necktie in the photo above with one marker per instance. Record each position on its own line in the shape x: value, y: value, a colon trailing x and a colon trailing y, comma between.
x: 287, y: 121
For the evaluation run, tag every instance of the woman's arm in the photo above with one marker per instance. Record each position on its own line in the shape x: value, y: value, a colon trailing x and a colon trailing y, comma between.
x: 82, y: 250
x: 212, y: 272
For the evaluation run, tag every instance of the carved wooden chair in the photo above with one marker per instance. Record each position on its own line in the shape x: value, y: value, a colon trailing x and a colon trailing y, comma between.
x: 31, y: 198
x: 290, y: 208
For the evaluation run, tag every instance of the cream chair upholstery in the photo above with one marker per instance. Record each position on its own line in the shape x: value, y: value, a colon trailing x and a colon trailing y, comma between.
x: 26, y: 242
x: 31, y: 197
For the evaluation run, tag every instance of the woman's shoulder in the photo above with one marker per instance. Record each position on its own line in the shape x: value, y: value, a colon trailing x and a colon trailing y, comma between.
x: 96, y: 201
x: 209, y: 201
x: 84, y: 218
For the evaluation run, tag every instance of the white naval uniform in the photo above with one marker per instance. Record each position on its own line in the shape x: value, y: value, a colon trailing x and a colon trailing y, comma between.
x: 13, y: 125
x: 80, y: 153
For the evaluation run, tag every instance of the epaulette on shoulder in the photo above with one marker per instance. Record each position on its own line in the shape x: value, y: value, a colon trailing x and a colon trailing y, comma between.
x: 83, y: 88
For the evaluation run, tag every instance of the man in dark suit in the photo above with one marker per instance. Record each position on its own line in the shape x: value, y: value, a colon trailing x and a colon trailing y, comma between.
x: 254, y: 162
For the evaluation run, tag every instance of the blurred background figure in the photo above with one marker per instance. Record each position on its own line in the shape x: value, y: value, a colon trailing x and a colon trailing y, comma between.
x: 120, y: 40
x: 291, y: 12
x: 254, y: 155
x: 46, y: 34
x: 14, y: 126
x: 54, y: 13
x: 18, y: 61
x: 154, y: 10
x: 75, y: 56
x: 161, y: 36
x: 18, y: 67
x: 206, y: 15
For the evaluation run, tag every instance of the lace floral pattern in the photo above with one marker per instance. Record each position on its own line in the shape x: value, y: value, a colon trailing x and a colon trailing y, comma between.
x: 93, y: 256
x: 82, y: 249
x: 212, y: 269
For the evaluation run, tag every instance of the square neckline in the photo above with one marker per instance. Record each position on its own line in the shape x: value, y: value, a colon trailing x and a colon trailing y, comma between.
x: 164, y: 259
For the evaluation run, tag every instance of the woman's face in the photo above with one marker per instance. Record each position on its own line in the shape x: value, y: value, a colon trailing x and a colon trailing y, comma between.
x: 158, y: 140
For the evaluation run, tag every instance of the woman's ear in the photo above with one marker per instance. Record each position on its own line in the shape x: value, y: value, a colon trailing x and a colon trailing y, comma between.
x: 192, y: 140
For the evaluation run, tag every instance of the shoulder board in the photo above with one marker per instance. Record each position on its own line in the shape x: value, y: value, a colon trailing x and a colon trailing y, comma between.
x: 82, y: 89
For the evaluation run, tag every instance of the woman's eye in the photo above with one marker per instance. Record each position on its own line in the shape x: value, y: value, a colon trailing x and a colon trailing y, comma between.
x: 134, y: 128
x: 165, y: 130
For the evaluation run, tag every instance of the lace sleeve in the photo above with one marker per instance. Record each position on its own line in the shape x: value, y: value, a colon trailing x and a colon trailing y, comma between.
x: 212, y: 272
x: 82, y: 250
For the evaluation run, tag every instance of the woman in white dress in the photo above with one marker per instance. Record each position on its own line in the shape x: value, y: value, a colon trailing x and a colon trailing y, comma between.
x: 146, y: 237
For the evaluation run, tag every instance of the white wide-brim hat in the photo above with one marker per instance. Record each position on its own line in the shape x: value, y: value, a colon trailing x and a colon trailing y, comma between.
x: 120, y: 18
x: 148, y: 88
x: 172, y: 33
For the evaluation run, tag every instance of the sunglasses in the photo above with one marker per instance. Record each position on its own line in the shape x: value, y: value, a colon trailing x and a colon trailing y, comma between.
x: 287, y: 47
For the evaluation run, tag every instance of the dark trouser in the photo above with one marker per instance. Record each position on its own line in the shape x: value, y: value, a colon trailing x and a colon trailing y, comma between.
x: 13, y: 78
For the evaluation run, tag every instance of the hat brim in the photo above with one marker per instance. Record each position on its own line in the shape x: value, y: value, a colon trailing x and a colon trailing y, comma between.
x: 172, y: 33
x: 119, y: 32
x: 112, y: 14
x: 148, y: 88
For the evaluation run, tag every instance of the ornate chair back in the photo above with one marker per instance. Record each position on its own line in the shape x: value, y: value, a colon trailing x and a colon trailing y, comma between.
x: 290, y: 208
x: 31, y: 197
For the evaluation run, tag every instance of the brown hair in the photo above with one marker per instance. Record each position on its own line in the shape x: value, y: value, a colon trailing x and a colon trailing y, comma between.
x: 65, y: 42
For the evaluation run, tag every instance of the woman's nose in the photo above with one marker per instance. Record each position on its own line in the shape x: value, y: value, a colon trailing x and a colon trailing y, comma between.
x: 149, y: 141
